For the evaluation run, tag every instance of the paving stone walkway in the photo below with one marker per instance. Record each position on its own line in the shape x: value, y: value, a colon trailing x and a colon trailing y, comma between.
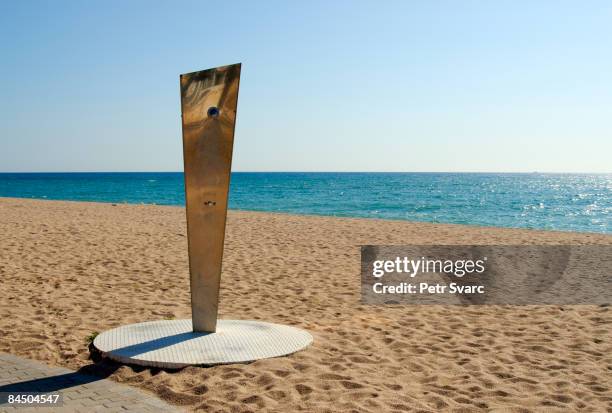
x: 79, y: 392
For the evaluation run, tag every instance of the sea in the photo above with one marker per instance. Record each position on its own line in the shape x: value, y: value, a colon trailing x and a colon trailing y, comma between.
x: 567, y: 202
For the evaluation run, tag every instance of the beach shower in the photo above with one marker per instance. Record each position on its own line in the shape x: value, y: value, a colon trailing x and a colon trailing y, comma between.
x: 209, y: 101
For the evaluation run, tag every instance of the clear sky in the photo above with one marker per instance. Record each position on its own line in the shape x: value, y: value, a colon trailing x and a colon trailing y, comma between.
x: 326, y: 86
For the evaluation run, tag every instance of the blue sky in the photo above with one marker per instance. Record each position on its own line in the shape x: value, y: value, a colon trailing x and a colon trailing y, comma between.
x: 326, y: 86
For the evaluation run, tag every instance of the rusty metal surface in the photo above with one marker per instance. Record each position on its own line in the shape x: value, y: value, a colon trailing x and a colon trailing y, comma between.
x: 209, y: 101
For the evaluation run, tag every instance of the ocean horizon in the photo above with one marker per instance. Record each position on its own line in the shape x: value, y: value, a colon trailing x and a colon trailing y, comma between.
x: 548, y: 201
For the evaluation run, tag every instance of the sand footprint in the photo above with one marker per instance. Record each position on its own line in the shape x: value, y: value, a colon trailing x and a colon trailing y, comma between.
x: 303, y: 390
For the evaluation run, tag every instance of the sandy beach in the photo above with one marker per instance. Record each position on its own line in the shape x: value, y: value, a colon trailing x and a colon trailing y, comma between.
x: 70, y: 269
